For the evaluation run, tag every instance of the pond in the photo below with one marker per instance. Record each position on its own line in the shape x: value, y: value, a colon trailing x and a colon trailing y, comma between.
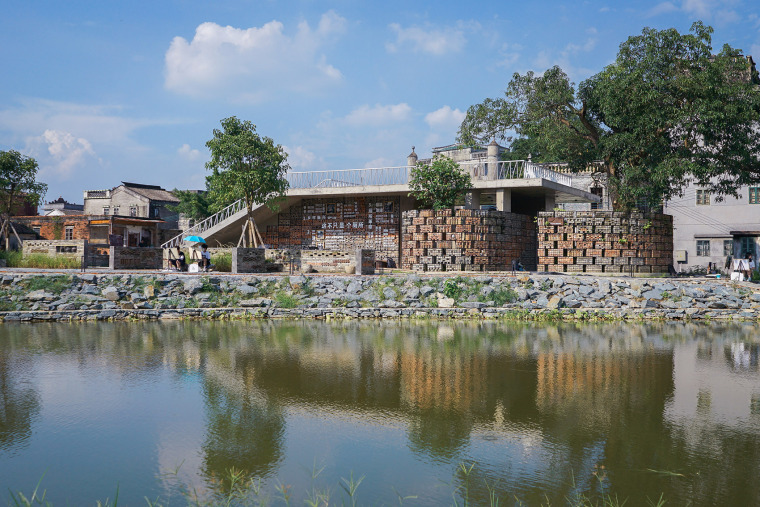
x: 438, y: 412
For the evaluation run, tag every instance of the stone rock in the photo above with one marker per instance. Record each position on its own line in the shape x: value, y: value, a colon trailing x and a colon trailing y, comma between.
x: 413, y: 293
x: 652, y: 294
x: 149, y: 291
x: 555, y: 302
x: 444, y: 302
x: 192, y: 286
x: 472, y: 304
x: 389, y: 293
x: 256, y: 303
x: 111, y: 293
x: 354, y: 287
x: 542, y: 302
x: 128, y: 305
x: 603, y: 286
x: 246, y: 290
x: 426, y: 290
x: 40, y: 295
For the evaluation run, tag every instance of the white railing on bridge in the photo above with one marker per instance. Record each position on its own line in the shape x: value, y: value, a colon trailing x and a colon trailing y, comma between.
x: 479, y: 170
x: 349, y: 177
x: 204, y: 225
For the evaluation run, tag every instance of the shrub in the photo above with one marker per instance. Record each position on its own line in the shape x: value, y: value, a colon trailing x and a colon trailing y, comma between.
x: 14, y: 259
x: 222, y: 262
x: 285, y: 300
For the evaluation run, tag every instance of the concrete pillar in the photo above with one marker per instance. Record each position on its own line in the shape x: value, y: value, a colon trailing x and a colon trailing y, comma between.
x: 472, y: 199
x: 411, y: 159
x: 492, y: 152
x: 504, y: 199
x: 549, y: 203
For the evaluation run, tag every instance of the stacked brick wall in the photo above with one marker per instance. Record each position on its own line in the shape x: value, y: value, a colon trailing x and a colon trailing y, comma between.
x: 127, y: 257
x: 340, y: 224
x: 604, y: 242
x: 74, y: 248
x: 339, y: 261
x: 467, y: 240
x: 54, y: 227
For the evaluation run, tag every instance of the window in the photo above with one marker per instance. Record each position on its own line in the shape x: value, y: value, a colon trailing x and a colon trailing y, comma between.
x: 115, y: 210
x: 133, y: 211
x: 703, y: 247
x: 728, y: 247
x: 156, y: 212
x: 703, y: 198
x: 747, y: 244
x: 598, y: 191
x: 69, y: 233
x: 36, y: 230
x: 754, y: 195
x: 106, y: 210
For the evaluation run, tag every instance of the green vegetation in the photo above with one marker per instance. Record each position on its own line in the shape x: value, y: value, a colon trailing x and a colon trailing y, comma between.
x: 17, y: 187
x: 245, y: 166
x: 53, y: 284
x: 670, y: 110
x: 222, y: 262
x: 440, y: 184
x: 15, y: 259
x: 285, y: 300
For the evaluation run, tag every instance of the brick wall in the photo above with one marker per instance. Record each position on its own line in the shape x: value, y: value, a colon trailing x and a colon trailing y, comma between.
x: 75, y: 248
x: 604, y: 242
x: 339, y: 261
x: 340, y: 224
x: 125, y: 257
x: 54, y: 228
x: 467, y: 240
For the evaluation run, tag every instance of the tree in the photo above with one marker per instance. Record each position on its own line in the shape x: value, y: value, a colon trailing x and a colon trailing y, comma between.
x: 666, y: 113
x: 17, y: 184
x: 192, y: 204
x: 439, y: 184
x: 245, y: 166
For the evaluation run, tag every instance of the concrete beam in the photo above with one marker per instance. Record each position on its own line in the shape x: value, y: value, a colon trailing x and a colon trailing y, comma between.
x: 472, y: 199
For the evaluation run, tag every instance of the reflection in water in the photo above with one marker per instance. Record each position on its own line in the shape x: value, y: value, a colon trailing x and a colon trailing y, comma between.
x: 542, y: 409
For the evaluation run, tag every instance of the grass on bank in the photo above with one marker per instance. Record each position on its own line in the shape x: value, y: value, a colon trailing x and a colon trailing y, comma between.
x: 237, y: 487
x: 15, y: 259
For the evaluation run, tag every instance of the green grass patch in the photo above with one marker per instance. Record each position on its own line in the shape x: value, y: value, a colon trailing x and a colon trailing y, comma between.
x: 14, y: 259
x: 285, y: 300
x: 54, y: 284
x: 222, y: 262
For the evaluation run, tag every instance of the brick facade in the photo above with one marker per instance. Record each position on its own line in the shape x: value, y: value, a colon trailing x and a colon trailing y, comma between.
x: 602, y: 242
x: 341, y: 224
x: 54, y: 227
x: 467, y: 240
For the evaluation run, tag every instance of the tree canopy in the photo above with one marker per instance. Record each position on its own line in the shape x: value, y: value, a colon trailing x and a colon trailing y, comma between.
x: 246, y: 166
x: 666, y: 113
x: 18, y: 184
x: 440, y: 184
x: 192, y: 204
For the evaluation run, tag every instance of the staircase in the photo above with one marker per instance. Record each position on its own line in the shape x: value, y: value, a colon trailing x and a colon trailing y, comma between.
x: 216, y: 222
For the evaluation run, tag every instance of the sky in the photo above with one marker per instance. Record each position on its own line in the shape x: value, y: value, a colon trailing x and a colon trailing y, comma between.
x: 101, y: 92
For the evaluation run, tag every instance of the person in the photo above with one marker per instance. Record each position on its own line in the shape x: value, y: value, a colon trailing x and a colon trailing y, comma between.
x: 750, y: 265
x: 179, y: 260
x: 205, y: 262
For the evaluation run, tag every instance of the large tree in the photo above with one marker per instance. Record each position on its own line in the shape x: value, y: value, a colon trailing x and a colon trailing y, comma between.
x: 666, y: 113
x: 440, y: 184
x: 18, y: 174
x: 245, y: 166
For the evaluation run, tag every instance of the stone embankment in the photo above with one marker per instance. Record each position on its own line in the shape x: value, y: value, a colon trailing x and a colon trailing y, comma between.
x: 84, y: 297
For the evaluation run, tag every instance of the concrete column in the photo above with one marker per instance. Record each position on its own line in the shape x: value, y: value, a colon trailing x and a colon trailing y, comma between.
x: 472, y: 199
x: 549, y: 203
x: 504, y: 199
x: 411, y: 159
x: 492, y: 152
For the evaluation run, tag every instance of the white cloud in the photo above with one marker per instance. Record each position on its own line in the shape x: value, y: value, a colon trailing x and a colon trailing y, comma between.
x: 301, y: 159
x: 378, y: 115
x: 435, y: 41
x: 188, y: 153
x: 253, y: 64
x: 379, y: 162
x: 445, y: 118
x: 720, y: 11
x: 60, y: 153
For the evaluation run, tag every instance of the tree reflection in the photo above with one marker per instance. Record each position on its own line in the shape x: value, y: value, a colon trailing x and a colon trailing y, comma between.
x: 19, y: 401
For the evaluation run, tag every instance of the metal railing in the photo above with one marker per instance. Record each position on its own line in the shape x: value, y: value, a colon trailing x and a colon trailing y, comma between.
x: 349, y: 177
x: 479, y: 170
x: 204, y: 225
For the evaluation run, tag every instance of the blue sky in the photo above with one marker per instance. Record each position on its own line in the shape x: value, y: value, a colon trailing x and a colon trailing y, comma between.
x: 102, y: 92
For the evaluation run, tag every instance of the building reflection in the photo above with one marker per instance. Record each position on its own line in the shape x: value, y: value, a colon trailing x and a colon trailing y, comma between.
x: 546, y: 404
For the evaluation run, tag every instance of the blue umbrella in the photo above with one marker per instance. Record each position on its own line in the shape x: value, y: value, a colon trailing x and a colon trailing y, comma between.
x: 194, y: 239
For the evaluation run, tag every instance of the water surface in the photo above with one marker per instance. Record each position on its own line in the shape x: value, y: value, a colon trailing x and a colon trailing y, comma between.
x: 542, y: 411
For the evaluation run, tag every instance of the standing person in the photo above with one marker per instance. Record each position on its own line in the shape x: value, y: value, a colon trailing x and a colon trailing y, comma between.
x: 750, y: 266
x: 205, y: 262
